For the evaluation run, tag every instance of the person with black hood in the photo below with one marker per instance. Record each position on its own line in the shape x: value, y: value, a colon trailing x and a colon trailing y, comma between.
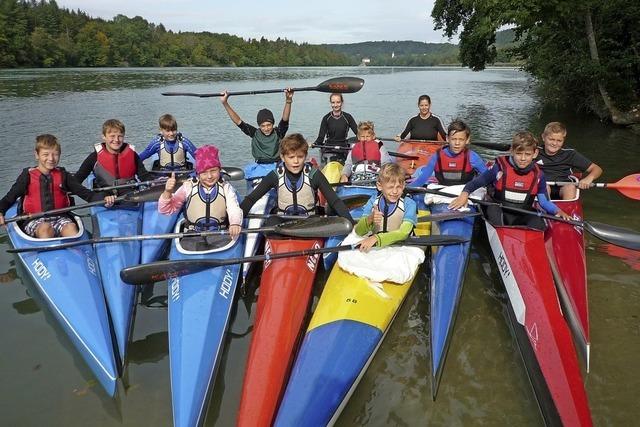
x: 265, y: 140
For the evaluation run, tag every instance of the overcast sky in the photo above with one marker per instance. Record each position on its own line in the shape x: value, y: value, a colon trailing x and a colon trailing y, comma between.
x: 348, y: 21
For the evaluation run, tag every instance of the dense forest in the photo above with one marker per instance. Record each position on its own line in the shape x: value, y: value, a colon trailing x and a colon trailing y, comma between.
x: 584, y: 53
x: 399, y: 53
x: 40, y: 34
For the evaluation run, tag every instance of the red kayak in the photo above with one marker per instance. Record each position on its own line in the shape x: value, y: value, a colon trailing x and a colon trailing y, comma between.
x: 285, y: 293
x: 423, y: 150
x: 566, y: 253
x: 543, y: 338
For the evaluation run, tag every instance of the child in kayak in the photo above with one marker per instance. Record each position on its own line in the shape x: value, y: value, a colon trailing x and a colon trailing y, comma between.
x: 170, y: 146
x: 558, y: 163
x: 209, y: 202
x: 455, y: 164
x: 47, y: 187
x: 265, y: 140
x: 334, y: 129
x: 365, y: 158
x: 392, y: 216
x: 113, y: 161
x: 296, y: 183
x: 515, y: 181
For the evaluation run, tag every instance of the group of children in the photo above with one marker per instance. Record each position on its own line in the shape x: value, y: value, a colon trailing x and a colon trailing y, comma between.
x: 208, y: 202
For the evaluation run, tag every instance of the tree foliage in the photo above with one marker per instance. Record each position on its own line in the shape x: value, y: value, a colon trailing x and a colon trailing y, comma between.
x: 37, y: 33
x: 597, y: 70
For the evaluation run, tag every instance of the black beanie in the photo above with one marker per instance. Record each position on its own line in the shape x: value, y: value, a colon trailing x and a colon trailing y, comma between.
x: 265, y: 115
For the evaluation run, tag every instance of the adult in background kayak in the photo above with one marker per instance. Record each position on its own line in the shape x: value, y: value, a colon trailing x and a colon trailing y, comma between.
x: 334, y: 130
x: 425, y: 126
x: 265, y: 141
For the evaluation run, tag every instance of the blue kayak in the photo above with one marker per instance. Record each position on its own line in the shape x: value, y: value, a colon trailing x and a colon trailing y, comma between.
x: 153, y: 222
x: 113, y: 257
x: 342, y: 191
x: 448, y: 267
x: 70, y: 285
x: 199, y: 310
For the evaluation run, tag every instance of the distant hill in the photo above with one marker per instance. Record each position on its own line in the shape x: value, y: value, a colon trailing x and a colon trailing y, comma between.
x: 398, y: 52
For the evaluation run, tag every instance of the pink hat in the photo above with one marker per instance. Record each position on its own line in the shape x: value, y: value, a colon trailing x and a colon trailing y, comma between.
x: 207, y: 158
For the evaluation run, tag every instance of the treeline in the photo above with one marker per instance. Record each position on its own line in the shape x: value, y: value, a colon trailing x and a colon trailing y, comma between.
x: 40, y: 34
x: 399, y: 53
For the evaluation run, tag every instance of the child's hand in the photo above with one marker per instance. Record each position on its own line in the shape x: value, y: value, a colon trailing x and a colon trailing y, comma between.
x: 169, y: 186
x: 562, y: 214
x: 234, y: 231
x: 585, y: 183
x: 288, y: 93
x: 376, y: 218
x: 225, y: 96
x: 109, y: 201
x: 344, y: 178
x: 460, y: 201
x: 368, y: 243
x: 397, y: 138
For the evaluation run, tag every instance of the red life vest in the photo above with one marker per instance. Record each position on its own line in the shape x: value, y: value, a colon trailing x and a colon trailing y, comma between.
x: 516, y: 188
x: 44, y: 192
x: 113, y: 169
x: 453, y: 170
x: 366, y: 151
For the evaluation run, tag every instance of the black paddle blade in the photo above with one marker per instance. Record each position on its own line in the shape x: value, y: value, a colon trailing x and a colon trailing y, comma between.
x: 150, y: 194
x: 433, y: 241
x: 163, y: 270
x: 341, y: 85
x: 403, y: 156
x: 355, y: 200
x: 233, y: 174
x: 315, y: 226
x: 618, y: 236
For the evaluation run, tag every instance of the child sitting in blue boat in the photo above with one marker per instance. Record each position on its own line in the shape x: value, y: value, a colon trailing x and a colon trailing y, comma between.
x: 210, y: 203
x: 113, y: 161
x: 515, y: 181
x: 265, y: 140
x: 365, y: 158
x: 296, y: 183
x: 455, y: 164
x: 392, y: 216
x: 171, y: 147
x: 47, y: 187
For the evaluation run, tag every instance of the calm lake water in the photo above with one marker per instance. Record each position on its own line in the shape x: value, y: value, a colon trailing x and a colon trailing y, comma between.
x: 44, y: 381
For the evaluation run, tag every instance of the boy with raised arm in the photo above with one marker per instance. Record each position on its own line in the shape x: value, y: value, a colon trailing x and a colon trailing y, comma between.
x: 47, y: 187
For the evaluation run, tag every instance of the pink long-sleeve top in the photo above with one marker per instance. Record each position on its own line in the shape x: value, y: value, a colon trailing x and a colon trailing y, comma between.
x: 174, y: 204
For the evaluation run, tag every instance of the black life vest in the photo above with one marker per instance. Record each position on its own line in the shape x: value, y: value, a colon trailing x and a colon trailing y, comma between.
x: 516, y: 188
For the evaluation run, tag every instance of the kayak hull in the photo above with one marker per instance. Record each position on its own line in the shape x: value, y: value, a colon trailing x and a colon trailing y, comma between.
x: 200, y: 306
x: 422, y: 150
x: 69, y: 282
x: 153, y: 222
x: 542, y: 335
x: 448, y: 268
x: 263, y: 206
x: 285, y: 292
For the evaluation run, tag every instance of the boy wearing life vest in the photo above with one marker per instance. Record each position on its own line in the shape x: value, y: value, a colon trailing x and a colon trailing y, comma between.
x: 296, y: 183
x: 113, y: 161
x: 392, y: 216
x: 558, y: 163
x: 171, y: 147
x: 210, y: 203
x: 515, y: 181
x: 455, y: 164
x: 265, y: 141
x: 47, y: 187
x: 365, y: 158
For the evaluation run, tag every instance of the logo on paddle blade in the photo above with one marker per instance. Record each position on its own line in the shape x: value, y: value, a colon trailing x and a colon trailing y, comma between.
x: 312, y: 260
x: 267, y: 252
x: 533, y: 335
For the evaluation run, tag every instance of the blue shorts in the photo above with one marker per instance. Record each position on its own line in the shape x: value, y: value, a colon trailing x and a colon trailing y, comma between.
x: 57, y: 222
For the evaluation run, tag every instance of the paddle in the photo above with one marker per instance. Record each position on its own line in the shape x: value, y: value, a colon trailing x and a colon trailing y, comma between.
x: 334, y: 85
x: 357, y: 183
x: 490, y: 145
x: 618, y: 236
x: 444, y: 216
x: 140, y: 196
x: 628, y: 186
x: 403, y: 156
x: 310, y: 227
x: 355, y: 200
x: 161, y: 270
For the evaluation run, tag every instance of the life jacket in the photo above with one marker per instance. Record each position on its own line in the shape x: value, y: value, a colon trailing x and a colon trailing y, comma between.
x: 296, y: 198
x: 114, y: 169
x: 393, y: 213
x: 44, y: 192
x: 515, y: 188
x: 366, y: 159
x: 168, y: 159
x: 206, y: 211
x: 453, y: 170
x: 264, y: 148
